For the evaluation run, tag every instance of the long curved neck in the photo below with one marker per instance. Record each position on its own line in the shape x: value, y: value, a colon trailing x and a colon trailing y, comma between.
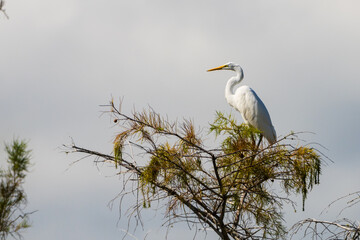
x: 232, y: 82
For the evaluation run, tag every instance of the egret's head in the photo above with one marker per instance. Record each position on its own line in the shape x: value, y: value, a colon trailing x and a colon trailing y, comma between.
x: 229, y: 66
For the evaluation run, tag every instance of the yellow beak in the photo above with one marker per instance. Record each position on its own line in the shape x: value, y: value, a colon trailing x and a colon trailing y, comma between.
x: 217, y: 68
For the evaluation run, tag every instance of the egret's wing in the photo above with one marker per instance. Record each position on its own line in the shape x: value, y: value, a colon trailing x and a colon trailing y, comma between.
x: 254, y: 112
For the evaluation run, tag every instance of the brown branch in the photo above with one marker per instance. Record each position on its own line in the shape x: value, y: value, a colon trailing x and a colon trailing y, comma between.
x: 159, y: 130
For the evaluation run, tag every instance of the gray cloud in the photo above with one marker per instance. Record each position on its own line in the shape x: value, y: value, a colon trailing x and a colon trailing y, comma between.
x: 61, y: 60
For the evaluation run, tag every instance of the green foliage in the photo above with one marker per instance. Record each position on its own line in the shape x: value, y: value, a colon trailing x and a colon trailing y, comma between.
x: 12, y: 195
x: 298, y: 169
x: 231, y: 186
x: 118, y: 146
x: 18, y: 158
x: 243, y: 164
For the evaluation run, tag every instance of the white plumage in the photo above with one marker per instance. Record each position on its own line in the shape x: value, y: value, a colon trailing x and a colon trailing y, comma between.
x: 247, y: 102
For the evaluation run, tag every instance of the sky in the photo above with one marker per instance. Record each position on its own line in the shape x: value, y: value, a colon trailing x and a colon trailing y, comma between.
x: 61, y: 60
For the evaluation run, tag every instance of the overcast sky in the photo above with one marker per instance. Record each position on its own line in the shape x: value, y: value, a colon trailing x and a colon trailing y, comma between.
x: 60, y: 60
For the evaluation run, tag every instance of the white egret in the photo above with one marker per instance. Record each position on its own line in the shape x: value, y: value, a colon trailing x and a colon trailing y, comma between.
x: 247, y: 102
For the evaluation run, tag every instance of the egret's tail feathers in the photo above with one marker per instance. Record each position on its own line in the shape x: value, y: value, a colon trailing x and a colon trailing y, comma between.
x: 271, y: 137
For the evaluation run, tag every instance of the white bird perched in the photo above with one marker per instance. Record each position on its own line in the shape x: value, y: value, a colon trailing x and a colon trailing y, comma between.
x: 245, y: 100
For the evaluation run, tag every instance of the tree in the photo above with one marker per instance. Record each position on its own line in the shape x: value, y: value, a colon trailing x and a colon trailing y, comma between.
x: 229, y: 189
x: 2, y: 9
x: 12, y: 194
x: 339, y: 229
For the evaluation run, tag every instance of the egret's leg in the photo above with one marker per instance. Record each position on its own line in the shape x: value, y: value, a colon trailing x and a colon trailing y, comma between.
x: 260, y: 139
